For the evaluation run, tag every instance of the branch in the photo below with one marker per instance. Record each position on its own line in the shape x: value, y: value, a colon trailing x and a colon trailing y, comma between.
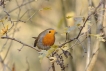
x: 89, y: 37
x: 20, y: 42
x: 28, y: 69
x: 99, y: 31
x: 94, y: 57
x: 82, y: 26
x: 21, y: 5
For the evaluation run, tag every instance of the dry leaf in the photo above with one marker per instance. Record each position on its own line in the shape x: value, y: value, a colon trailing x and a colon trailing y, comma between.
x: 4, y: 30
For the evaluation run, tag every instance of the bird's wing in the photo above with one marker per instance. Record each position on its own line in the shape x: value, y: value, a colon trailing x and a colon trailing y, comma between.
x: 40, y: 36
x: 34, y: 37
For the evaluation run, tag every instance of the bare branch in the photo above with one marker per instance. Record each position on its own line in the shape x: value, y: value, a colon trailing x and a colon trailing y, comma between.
x: 89, y: 37
x: 97, y: 46
x: 28, y: 69
x: 94, y: 57
x: 82, y: 26
x: 21, y: 5
x: 21, y: 48
x: 20, y: 42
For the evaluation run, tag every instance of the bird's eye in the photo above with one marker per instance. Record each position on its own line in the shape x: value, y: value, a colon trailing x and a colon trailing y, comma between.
x: 49, y: 31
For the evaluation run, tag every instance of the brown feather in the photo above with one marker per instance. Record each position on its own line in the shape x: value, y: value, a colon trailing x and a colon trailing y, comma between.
x: 34, y: 37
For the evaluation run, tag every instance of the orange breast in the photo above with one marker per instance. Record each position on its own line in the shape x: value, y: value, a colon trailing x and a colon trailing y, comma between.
x: 48, y: 40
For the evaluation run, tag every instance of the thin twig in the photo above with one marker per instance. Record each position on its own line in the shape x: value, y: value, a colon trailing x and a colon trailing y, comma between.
x: 21, y: 48
x: 89, y: 32
x: 82, y: 26
x: 21, y: 43
x: 21, y: 5
x: 28, y: 69
x: 8, y: 47
x: 97, y: 42
x: 4, y: 45
x: 49, y: 68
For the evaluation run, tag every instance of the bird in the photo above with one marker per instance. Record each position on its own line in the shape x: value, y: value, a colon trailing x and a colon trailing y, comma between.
x: 45, y: 39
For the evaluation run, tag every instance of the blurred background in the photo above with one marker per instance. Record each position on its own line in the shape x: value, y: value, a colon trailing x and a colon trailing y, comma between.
x: 30, y: 17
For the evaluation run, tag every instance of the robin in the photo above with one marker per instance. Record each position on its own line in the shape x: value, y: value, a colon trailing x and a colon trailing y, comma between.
x: 45, y: 39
